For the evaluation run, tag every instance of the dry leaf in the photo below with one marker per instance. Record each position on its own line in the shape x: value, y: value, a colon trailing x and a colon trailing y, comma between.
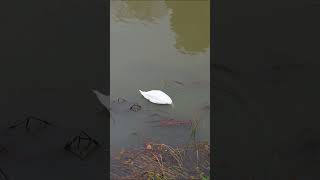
x: 149, y: 146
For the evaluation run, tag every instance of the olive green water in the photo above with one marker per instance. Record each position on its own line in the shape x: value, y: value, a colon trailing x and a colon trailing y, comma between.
x: 153, y: 44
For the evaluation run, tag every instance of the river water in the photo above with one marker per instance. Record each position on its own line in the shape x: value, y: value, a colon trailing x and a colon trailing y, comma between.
x: 161, y: 45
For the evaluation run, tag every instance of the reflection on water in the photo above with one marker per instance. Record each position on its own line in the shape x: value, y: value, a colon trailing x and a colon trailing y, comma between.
x: 128, y: 11
x: 159, y: 45
x: 191, y: 24
x: 189, y: 21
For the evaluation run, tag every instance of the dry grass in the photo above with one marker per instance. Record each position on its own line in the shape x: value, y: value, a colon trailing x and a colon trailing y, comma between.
x: 162, y: 162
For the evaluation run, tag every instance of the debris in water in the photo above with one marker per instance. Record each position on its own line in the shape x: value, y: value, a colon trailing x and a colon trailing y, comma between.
x: 3, y: 175
x: 31, y: 124
x: 82, y: 145
x: 172, y: 122
x: 135, y: 107
x: 192, y: 84
x: 178, y: 82
x: 120, y: 100
x: 149, y: 147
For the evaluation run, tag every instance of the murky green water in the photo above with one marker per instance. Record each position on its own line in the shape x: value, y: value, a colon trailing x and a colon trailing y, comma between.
x: 153, y: 44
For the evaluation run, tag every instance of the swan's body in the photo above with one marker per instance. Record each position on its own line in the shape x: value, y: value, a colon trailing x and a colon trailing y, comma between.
x: 156, y: 96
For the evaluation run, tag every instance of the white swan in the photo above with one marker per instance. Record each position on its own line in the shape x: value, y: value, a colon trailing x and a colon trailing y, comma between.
x: 156, y: 96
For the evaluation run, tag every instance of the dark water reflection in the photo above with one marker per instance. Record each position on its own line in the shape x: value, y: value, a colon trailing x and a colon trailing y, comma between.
x: 52, y: 54
x: 190, y: 22
x: 273, y: 132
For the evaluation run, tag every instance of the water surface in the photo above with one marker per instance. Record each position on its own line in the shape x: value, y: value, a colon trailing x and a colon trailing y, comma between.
x: 153, y: 44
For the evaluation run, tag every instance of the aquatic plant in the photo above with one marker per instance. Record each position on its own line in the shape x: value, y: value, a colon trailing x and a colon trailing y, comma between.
x: 163, y: 162
x: 194, y: 126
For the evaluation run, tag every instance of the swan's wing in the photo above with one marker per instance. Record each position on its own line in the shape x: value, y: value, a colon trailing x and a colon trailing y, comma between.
x: 156, y: 96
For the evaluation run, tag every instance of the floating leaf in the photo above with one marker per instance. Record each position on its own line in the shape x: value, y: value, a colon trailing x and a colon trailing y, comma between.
x: 156, y: 96
x: 149, y: 147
